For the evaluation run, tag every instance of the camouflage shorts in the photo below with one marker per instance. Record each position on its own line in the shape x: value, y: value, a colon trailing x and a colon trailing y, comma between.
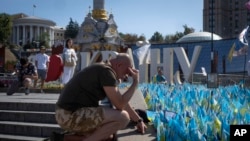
x: 82, y: 121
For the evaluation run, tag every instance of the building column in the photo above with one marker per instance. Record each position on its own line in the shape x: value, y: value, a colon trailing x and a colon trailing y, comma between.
x: 31, y: 33
x: 35, y: 32
x: 43, y: 29
x: 52, y: 36
x: 38, y: 32
x: 17, y: 35
x: 13, y: 35
x: 23, y: 40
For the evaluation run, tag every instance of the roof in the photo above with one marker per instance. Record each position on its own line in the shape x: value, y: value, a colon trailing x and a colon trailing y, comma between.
x: 198, y: 36
x: 33, y: 19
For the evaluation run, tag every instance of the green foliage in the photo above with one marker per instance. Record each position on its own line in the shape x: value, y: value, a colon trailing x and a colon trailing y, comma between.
x: 9, y: 66
x: 71, y: 29
x: 131, y: 38
x: 5, y: 27
x: 44, y: 39
x: 156, y: 38
x: 178, y: 35
x: 187, y: 29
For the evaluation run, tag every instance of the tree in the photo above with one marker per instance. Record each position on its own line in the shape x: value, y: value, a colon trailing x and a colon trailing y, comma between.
x: 131, y: 38
x: 156, y: 38
x: 43, y: 41
x: 187, y: 29
x: 178, y: 35
x: 5, y: 27
x: 169, y: 39
x: 71, y: 29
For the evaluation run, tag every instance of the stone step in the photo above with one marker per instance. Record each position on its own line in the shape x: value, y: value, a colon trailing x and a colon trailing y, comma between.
x: 28, y: 116
x: 23, y: 106
x: 33, y: 90
x: 6, y: 137
x: 28, y: 129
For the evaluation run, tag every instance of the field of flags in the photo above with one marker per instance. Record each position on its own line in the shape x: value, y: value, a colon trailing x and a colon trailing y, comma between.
x: 194, y: 112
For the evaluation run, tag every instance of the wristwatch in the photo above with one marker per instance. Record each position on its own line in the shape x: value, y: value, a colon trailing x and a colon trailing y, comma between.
x: 139, y: 120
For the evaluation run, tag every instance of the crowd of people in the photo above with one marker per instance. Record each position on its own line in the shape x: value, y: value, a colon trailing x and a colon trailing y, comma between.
x: 30, y: 72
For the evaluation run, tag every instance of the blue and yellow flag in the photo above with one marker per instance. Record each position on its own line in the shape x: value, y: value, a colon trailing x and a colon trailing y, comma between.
x: 231, y: 52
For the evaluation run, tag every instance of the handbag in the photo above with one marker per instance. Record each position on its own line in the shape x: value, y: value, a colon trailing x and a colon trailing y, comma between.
x: 67, y: 63
x: 68, y: 59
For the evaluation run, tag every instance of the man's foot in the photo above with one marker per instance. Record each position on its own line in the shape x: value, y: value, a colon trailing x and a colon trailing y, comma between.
x: 42, y: 92
x: 27, y: 91
x: 73, y: 138
x: 112, y: 137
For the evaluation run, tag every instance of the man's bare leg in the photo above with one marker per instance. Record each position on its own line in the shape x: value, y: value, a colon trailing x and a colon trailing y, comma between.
x: 35, y: 82
x: 42, y: 85
x: 114, y: 120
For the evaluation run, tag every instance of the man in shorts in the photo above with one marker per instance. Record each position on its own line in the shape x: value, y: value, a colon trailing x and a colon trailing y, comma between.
x: 26, y: 73
x: 78, y: 109
x: 42, y: 64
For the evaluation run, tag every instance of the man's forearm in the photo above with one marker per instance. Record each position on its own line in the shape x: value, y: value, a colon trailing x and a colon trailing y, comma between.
x: 31, y: 76
x: 133, y: 115
x: 129, y: 93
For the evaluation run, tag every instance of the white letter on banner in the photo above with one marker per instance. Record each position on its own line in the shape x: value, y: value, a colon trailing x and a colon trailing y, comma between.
x: 184, y: 62
x: 154, y: 62
x: 168, y: 64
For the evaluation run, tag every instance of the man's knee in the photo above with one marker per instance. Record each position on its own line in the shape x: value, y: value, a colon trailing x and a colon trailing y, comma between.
x: 124, y: 120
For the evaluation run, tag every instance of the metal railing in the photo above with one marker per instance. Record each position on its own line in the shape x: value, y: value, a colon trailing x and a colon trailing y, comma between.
x: 222, y: 79
x: 6, y: 79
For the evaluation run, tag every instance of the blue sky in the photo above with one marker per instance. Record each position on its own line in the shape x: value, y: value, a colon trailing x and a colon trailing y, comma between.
x: 141, y: 17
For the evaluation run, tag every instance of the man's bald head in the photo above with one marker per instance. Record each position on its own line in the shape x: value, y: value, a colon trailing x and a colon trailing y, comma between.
x: 120, y: 64
x: 123, y: 58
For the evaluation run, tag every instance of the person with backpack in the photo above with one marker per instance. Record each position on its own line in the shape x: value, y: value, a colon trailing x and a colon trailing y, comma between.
x: 69, y: 60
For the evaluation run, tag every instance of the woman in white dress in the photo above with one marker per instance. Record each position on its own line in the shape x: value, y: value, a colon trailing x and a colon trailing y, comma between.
x: 69, y: 59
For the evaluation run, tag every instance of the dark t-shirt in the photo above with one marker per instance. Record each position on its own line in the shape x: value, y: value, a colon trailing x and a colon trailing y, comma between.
x: 85, y: 89
x: 29, y: 70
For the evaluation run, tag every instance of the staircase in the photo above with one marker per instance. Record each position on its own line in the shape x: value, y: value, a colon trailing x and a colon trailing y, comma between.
x: 21, y: 121
x: 32, y: 118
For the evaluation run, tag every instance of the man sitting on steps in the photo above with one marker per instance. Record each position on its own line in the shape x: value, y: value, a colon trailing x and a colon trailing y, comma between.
x: 78, y: 109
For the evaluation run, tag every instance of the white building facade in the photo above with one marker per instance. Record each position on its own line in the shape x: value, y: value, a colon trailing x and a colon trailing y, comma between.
x: 28, y: 29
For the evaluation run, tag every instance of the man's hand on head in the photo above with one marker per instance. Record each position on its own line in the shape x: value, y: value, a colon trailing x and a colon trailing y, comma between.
x: 134, y: 73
